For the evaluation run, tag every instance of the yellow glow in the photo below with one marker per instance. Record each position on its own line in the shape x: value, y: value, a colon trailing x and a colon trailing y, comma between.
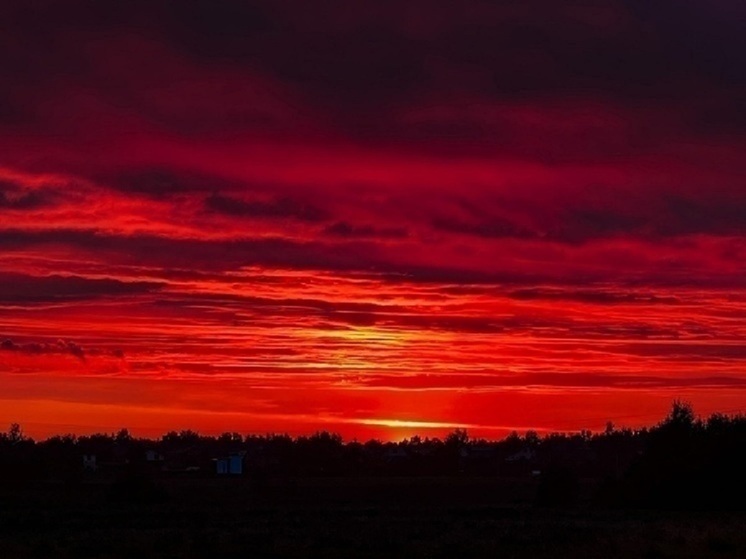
x: 401, y: 423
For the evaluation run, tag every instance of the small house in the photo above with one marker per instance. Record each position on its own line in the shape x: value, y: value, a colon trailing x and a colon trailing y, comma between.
x: 153, y: 456
x: 89, y: 463
x: 230, y: 465
x: 395, y: 453
x: 524, y: 455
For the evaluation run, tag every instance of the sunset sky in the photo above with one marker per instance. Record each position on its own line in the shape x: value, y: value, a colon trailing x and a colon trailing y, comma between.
x: 379, y: 218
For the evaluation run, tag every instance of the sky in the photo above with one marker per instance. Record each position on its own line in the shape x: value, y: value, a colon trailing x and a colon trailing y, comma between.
x: 380, y: 219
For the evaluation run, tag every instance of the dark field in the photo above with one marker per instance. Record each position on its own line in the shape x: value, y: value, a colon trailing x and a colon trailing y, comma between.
x: 350, y: 517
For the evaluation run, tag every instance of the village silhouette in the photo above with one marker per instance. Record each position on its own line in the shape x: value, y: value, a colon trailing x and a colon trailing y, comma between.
x: 683, y: 462
x: 671, y: 490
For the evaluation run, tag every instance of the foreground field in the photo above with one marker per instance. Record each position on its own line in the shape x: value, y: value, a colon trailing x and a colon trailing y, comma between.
x: 436, y: 517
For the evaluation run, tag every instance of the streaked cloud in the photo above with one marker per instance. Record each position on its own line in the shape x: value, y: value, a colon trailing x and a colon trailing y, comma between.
x: 376, y: 218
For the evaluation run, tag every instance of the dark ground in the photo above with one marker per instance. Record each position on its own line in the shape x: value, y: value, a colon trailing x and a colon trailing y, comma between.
x: 350, y: 517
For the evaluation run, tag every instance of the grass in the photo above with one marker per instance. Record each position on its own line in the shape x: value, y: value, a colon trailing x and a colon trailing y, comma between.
x: 422, y: 517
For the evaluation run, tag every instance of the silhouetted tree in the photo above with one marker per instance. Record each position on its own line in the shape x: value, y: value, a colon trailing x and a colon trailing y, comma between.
x: 686, y: 463
x: 15, y: 434
x: 457, y: 438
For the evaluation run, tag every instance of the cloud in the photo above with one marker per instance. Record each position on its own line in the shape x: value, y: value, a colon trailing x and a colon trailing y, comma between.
x: 161, y: 182
x: 14, y: 197
x: 345, y: 229
x: 195, y: 253
x: 593, y: 296
x: 360, y: 70
x: 604, y: 381
x: 278, y: 208
x: 27, y: 201
x: 17, y: 289
x: 281, y: 192
x: 60, y: 347
x: 587, y: 216
x: 494, y: 228
x: 658, y: 214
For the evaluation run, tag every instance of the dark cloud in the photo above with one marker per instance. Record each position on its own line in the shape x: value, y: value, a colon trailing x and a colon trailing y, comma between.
x: 357, y: 66
x: 687, y: 351
x: 277, y: 208
x: 564, y: 380
x: 161, y: 182
x: 204, y: 254
x: 363, y: 257
x: 345, y: 229
x: 536, y: 47
x: 60, y: 347
x: 24, y: 289
x: 12, y: 197
x: 348, y: 313
x: 593, y: 297
x: 287, y: 305
x: 714, y: 214
x: 718, y: 54
x: 582, y: 224
x: 357, y: 255
x: 408, y: 318
x: 494, y: 228
x: 658, y: 214
x: 650, y: 215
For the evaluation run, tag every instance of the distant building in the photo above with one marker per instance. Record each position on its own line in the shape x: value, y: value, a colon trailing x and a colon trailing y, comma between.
x: 230, y: 465
x: 89, y: 463
x: 482, y: 451
x: 520, y: 463
x: 395, y: 454
x: 526, y: 454
x: 153, y: 456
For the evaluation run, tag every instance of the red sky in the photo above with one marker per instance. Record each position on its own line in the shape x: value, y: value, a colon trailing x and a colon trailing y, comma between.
x: 379, y: 220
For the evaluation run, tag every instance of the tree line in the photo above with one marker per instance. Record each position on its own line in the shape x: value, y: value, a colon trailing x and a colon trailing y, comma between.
x: 683, y: 461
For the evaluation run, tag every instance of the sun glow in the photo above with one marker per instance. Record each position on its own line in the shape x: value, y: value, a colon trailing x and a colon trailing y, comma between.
x: 411, y: 424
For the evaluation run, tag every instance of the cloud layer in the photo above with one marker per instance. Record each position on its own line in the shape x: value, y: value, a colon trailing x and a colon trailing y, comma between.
x: 439, y: 213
